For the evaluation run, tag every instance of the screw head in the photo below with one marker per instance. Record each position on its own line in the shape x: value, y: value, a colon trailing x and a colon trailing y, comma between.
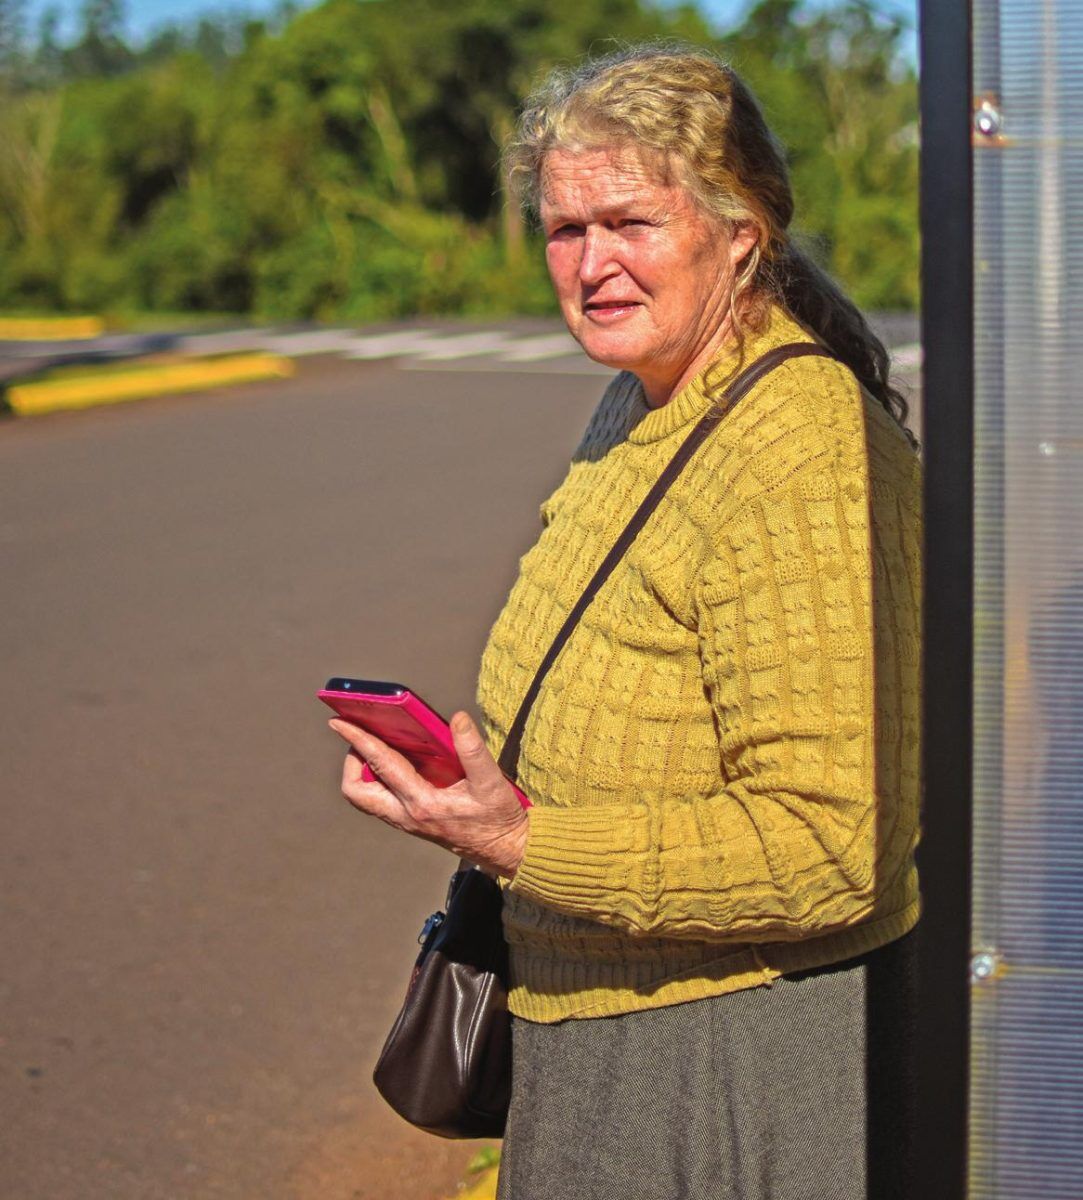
x: 987, y: 119
x: 983, y: 966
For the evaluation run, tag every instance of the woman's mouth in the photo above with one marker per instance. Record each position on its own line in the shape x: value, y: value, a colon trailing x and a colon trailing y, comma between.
x: 606, y: 311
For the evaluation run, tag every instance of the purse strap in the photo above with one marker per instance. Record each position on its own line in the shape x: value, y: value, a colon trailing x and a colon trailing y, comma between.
x: 509, y: 755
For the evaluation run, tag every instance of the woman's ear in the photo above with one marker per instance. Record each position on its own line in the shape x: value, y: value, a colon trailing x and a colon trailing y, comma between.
x: 744, y: 237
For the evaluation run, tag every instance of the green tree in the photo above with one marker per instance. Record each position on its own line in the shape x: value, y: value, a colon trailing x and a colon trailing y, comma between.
x: 837, y: 91
x: 342, y: 161
x: 48, y: 56
x: 12, y: 36
x: 101, y: 49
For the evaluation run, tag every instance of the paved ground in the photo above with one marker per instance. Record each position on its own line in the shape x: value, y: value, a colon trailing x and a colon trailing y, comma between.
x: 201, y: 945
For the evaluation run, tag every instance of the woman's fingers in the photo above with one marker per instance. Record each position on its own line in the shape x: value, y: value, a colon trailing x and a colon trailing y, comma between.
x: 397, y: 781
x: 387, y: 764
x: 500, y: 826
x: 479, y: 817
x: 376, y: 801
x: 353, y: 768
x: 482, y: 772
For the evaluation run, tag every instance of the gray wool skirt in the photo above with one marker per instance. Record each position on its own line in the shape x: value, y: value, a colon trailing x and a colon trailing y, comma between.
x: 802, y: 1090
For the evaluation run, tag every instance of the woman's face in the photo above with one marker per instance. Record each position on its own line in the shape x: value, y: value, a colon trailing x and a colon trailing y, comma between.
x: 642, y: 274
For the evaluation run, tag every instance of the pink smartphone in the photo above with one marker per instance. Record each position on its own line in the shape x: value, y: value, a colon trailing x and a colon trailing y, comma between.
x: 402, y: 719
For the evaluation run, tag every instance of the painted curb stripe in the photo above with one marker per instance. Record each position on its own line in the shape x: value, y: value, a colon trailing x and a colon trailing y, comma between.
x: 54, y: 395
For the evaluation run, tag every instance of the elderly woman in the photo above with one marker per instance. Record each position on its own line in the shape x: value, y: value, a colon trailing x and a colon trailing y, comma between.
x: 717, y: 875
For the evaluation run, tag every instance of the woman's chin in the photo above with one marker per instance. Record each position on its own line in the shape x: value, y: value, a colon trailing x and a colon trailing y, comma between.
x: 620, y: 353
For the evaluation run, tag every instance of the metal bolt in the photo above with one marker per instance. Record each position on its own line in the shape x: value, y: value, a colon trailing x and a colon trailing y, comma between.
x: 983, y: 966
x: 987, y: 119
x: 1047, y: 448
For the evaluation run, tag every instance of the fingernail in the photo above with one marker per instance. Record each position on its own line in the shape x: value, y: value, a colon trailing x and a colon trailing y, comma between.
x: 462, y: 723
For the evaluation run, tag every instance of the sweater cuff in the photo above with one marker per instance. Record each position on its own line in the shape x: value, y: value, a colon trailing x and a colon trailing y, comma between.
x: 578, y: 860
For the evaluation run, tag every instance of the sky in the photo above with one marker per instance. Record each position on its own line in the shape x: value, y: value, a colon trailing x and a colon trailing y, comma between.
x: 146, y: 15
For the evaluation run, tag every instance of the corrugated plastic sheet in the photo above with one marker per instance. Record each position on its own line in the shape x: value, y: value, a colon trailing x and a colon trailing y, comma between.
x: 1026, y: 1134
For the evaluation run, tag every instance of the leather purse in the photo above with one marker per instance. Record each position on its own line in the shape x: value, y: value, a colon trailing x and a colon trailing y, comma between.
x: 446, y: 1064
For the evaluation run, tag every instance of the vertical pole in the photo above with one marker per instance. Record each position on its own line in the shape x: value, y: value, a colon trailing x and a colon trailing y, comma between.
x: 948, y: 433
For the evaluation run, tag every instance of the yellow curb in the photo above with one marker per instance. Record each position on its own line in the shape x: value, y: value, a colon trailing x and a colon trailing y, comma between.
x: 483, y: 1188
x: 53, y: 395
x: 34, y: 329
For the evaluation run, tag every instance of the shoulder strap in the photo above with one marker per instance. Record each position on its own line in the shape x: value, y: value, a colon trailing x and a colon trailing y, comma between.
x: 509, y: 755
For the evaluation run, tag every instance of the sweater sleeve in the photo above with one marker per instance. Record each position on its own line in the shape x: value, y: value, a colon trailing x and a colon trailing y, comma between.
x: 797, y: 842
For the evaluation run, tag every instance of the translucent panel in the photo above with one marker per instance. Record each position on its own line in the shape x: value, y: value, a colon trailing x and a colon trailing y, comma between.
x: 1027, y: 1000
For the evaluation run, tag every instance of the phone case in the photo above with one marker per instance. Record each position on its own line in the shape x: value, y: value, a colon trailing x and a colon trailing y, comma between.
x: 403, y: 720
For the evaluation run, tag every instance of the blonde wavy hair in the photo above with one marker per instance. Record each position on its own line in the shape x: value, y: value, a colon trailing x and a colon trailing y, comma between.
x: 695, y: 117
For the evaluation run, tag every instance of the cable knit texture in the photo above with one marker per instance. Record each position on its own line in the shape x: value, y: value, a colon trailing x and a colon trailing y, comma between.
x: 724, y: 759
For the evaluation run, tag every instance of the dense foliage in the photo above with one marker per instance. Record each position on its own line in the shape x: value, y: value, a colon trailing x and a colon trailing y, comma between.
x: 340, y: 161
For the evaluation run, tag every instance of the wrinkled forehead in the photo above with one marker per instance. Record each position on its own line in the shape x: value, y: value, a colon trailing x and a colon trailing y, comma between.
x: 616, y: 169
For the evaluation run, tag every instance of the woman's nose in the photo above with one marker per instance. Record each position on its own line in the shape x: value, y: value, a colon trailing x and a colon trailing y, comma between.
x: 599, y: 259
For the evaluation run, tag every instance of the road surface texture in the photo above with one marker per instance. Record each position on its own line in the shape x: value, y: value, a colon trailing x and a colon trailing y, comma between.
x: 202, y: 945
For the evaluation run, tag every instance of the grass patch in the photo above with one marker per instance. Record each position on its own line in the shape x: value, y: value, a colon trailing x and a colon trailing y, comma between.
x: 481, y: 1173
x: 49, y: 328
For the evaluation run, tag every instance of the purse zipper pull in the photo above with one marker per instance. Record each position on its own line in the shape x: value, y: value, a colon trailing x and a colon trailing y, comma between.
x: 432, y: 923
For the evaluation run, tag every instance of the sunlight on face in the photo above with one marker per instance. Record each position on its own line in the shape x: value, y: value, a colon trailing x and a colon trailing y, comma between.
x: 642, y: 273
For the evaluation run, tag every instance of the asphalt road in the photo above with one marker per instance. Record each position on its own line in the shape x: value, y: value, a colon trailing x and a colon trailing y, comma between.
x: 201, y: 944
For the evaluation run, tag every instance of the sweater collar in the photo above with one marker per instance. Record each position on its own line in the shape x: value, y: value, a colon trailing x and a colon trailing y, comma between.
x: 653, y: 424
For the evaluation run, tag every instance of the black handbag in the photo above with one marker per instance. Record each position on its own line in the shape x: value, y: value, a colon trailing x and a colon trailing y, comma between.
x: 446, y: 1064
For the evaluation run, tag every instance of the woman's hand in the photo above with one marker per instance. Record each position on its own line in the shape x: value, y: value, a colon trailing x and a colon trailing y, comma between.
x: 479, y: 818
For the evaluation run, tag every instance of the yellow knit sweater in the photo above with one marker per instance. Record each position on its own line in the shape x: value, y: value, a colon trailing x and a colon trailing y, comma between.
x: 724, y: 759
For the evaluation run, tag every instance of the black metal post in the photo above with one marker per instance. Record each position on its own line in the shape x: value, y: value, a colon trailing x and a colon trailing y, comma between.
x: 948, y: 436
